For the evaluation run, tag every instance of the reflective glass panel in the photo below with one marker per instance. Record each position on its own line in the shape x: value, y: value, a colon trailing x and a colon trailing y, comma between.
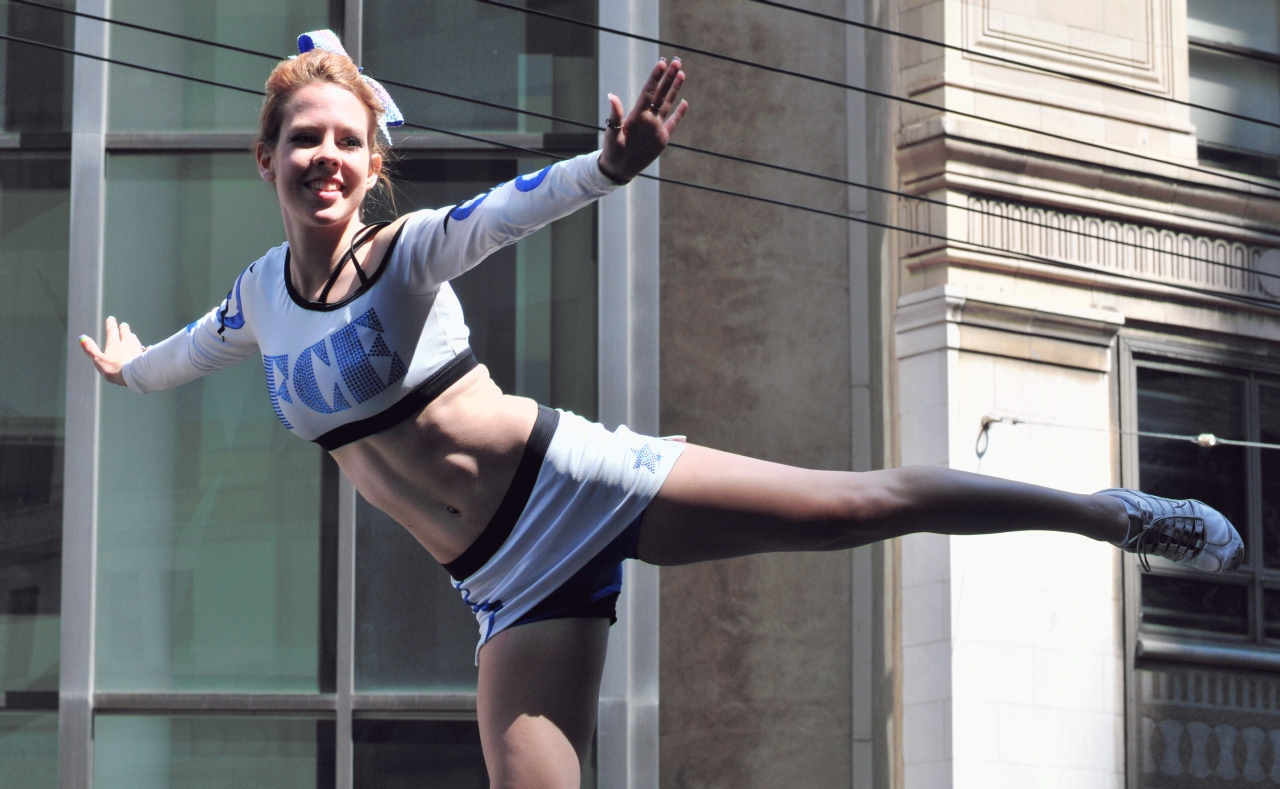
x: 1269, y: 421
x: 141, y: 101
x: 37, y: 81
x: 1191, y: 604
x: 210, y: 511
x: 390, y: 754
x: 489, y: 53
x: 413, y: 631
x: 1185, y: 404
x: 1271, y: 612
x: 33, y: 337
x: 29, y: 749
x: 1239, y: 85
x: 223, y: 752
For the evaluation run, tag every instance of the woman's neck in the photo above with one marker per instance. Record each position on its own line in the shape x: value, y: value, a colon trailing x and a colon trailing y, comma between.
x: 315, y: 251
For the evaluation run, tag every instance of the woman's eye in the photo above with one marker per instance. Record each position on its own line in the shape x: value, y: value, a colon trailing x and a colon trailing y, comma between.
x: 353, y: 142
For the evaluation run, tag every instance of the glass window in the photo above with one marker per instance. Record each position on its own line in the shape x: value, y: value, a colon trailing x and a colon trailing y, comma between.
x: 412, y: 630
x: 390, y: 754
x: 29, y: 749
x: 223, y: 752
x: 33, y: 326
x: 1203, y: 726
x: 147, y: 102
x: 37, y: 81
x: 210, y: 511
x: 489, y: 53
x: 1235, y: 67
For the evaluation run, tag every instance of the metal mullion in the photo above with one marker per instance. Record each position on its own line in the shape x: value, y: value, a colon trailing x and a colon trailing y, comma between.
x: 1253, y: 489
x: 83, y: 392
x: 345, y: 684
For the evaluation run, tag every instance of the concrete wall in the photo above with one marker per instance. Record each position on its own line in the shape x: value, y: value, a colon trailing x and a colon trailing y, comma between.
x: 756, y: 652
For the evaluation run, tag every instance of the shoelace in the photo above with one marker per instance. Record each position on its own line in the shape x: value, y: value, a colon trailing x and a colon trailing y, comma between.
x: 1172, y: 537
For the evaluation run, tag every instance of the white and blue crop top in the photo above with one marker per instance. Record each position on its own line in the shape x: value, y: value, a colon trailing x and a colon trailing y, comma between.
x: 339, y: 372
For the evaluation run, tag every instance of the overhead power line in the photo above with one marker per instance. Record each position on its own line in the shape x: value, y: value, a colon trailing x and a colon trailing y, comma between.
x: 903, y: 100
x: 1018, y: 63
x: 679, y: 146
x: 1267, y: 306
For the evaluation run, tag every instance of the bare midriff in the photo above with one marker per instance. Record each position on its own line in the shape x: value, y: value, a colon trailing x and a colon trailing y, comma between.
x: 443, y: 473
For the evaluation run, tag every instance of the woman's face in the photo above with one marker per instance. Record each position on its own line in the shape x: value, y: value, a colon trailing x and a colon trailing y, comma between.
x: 321, y: 166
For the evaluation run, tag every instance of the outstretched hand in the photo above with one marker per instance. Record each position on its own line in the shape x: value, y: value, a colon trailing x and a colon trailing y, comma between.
x: 632, y: 144
x: 119, y: 346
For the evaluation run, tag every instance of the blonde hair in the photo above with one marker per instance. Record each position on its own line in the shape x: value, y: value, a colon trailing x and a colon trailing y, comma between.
x: 318, y: 65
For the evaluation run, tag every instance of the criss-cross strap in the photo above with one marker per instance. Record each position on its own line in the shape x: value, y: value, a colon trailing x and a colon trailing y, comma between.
x: 362, y: 236
x: 1173, y: 537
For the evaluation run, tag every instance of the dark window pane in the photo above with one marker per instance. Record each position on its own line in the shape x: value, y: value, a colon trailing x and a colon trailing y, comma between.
x: 413, y: 632
x: 1186, y: 404
x: 1206, y: 729
x: 488, y: 53
x: 1271, y: 612
x: 1189, y: 604
x: 1269, y: 416
x: 29, y: 749
x: 37, y: 81
x: 34, y: 216
x: 404, y: 753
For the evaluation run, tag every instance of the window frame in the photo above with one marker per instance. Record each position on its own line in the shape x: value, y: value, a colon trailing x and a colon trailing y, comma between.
x: 1253, y: 361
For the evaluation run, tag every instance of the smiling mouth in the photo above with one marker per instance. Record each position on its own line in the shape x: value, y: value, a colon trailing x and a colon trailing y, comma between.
x: 324, y: 185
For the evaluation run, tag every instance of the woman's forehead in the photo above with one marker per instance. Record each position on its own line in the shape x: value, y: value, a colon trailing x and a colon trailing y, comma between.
x: 324, y: 102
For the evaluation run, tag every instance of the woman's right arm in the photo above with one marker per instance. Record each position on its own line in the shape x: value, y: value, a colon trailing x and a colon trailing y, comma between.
x: 219, y: 339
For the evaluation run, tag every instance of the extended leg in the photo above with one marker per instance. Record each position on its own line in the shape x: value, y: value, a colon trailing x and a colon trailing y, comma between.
x: 716, y: 505
x: 536, y: 702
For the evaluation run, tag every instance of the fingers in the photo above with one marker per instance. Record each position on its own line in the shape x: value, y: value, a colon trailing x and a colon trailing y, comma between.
x: 672, y: 76
x: 673, y: 120
x: 650, y: 89
x: 90, y: 348
x: 614, y: 124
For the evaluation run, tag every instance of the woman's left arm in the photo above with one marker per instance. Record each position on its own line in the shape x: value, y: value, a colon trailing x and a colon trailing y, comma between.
x: 447, y: 243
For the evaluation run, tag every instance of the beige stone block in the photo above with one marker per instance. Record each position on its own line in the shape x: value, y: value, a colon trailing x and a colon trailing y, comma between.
x: 1108, y: 47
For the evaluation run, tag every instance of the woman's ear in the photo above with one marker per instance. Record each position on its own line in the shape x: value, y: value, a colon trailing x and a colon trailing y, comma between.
x: 266, y: 161
x: 375, y: 169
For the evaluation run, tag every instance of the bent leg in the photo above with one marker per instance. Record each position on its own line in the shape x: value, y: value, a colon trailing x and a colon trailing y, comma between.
x: 536, y: 702
x: 716, y: 505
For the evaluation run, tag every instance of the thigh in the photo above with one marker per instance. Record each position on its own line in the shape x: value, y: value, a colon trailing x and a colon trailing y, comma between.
x: 717, y: 505
x: 537, y: 698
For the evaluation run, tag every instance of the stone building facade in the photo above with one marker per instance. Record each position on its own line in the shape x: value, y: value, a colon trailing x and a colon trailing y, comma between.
x: 1086, y: 255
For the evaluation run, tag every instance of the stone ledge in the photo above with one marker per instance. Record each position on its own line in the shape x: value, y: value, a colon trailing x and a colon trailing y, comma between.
x: 954, y: 318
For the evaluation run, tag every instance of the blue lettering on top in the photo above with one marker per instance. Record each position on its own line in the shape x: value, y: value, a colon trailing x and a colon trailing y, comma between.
x: 305, y: 385
x: 280, y: 364
x: 527, y: 183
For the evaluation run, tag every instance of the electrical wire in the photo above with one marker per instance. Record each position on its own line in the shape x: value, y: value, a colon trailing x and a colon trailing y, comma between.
x: 1010, y: 61
x: 678, y: 146
x: 1266, y: 306
x: 904, y: 100
x: 1205, y: 440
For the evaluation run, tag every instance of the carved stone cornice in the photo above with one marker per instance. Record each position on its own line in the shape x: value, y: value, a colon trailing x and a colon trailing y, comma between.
x: 955, y: 318
x: 969, y: 156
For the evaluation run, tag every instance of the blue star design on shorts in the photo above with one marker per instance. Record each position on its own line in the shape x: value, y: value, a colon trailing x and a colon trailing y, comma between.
x: 645, y: 456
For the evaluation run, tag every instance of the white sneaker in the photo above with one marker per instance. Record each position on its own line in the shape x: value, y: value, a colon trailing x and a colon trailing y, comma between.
x: 1180, y: 530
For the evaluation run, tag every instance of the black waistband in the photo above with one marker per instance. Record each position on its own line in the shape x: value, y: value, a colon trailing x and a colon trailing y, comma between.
x: 405, y: 407
x: 504, y: 520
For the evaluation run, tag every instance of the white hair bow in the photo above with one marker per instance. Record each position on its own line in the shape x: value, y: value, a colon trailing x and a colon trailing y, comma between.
x: 328, y: 41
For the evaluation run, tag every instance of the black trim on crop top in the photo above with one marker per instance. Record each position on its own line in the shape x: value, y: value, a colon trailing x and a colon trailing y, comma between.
x: 513, y: 503
x: 405, y: 407
x: 365, y: 284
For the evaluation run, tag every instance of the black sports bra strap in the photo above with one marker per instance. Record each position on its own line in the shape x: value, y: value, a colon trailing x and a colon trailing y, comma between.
x: 362, y: 236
